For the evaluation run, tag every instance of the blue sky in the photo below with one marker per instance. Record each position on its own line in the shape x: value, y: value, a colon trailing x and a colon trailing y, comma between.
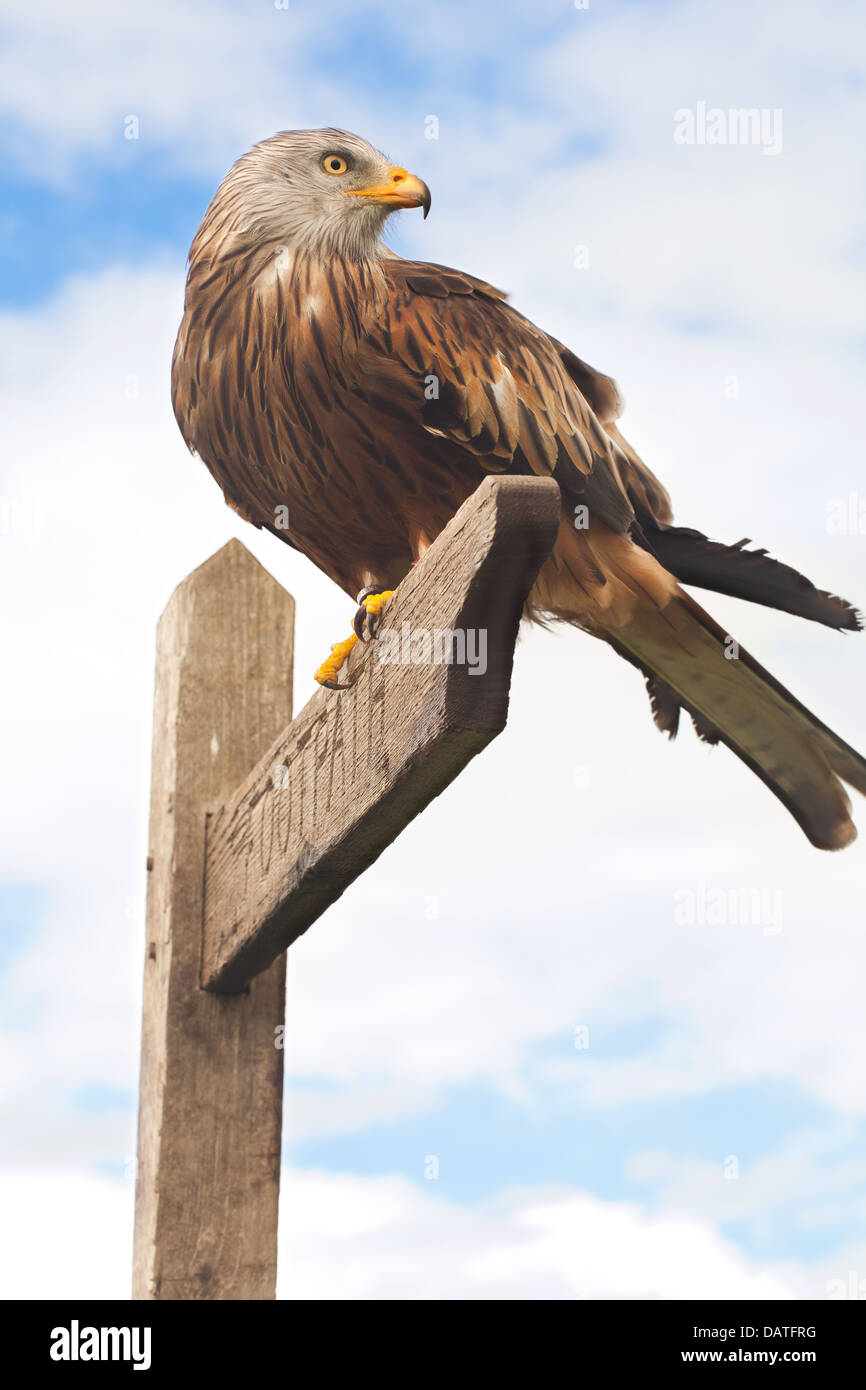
x: 433, y: 1010
x: 118, y: 216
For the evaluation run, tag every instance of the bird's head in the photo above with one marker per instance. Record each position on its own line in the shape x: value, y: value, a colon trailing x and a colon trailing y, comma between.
x: 326, y: 192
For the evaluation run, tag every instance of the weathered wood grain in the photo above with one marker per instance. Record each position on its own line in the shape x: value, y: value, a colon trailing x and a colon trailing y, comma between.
x: 210, y: 1107
x: 354, y: 768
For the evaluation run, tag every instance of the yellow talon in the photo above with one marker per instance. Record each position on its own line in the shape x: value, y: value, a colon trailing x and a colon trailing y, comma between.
x: 330, y: 669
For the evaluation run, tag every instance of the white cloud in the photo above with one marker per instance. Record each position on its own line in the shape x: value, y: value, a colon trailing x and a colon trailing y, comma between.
x: 805, y: 1185
x: 173, y: 66
x: 65, y: 1235
x: 345, y: 1237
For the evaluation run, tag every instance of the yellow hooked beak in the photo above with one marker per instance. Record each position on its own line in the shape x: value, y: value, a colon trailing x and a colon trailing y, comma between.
x: 399, y: 190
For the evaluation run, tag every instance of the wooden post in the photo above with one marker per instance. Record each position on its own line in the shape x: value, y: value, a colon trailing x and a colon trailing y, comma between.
x: 257, y: 824
x: 210, y: 1107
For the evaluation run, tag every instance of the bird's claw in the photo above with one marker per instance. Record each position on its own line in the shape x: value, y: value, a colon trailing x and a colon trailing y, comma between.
x: 371, y: 601
x: 330, y: 668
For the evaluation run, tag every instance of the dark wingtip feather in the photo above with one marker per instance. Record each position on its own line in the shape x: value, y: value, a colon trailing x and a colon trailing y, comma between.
x: 749, y: 574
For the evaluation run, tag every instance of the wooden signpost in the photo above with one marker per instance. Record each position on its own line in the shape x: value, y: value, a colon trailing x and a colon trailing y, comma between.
x: 258, y: 822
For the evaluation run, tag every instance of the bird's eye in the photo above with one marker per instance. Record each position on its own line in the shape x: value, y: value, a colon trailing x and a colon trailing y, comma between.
x: 334, y: 164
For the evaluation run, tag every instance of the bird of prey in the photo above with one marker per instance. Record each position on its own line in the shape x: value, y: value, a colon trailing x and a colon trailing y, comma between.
x: 299, y: 378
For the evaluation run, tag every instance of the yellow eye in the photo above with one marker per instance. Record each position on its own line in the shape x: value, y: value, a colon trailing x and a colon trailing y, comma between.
x: 334, y: 164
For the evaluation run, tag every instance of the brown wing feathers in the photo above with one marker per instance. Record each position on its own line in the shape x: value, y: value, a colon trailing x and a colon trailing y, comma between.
x: 501, y: 388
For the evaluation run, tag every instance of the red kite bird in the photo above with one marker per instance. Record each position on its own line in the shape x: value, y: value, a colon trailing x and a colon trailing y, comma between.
x: 301, y: 376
